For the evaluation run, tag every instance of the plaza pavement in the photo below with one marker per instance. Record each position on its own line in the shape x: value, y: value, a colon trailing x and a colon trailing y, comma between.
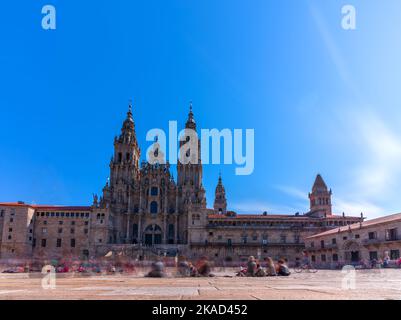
x: 325, y: 284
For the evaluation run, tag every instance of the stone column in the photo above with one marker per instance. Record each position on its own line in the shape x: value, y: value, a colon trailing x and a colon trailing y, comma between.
x: 176, y: 229
x: 165, y: 228
x: 128, y: 217
x: 165, y: 216
x: 140, y: 228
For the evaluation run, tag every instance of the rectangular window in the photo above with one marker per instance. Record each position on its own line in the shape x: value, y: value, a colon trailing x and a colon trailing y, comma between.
x: 334, y: 241
x: 73, y: 223
x: 373, y: 255
x: 72, y: 243
x: 394, y: 254
x: 9, y: 237
x: 313, y: 258
x: 357, y: 236
x: 86, y: 231
x: 72, y: 230
x: 11, y: 219
x: 323, y: 257
x: 58, y: 244
x: 322, y: 244
x: 372, y: 235
x: 335, y: 257
x: 391, y: 234
x: 44, y: 230
x: 344, y: 238
x: 10, y: 229
x: 60, y: 230
x: 43, y: 242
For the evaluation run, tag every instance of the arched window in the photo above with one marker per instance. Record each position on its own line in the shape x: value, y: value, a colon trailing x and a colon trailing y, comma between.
x: 153, y: 207
x: 154, y: 191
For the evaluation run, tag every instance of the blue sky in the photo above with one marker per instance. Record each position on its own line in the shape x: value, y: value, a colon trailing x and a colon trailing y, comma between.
x: 321, y: 99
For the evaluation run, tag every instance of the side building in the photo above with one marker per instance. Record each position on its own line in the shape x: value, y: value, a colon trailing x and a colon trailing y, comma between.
x: 225, y: 235
x: 358, y: 243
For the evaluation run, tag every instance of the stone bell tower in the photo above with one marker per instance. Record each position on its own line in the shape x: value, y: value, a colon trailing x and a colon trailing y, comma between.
x: 220, y: 202
x: 320, y: 197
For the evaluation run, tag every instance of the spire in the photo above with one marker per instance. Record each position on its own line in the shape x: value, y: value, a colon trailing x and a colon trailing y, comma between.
x: 319, y: 185
x: 191, y: 121
x: 128, y: 129
x: 220, y: 183
x: 129, y: 113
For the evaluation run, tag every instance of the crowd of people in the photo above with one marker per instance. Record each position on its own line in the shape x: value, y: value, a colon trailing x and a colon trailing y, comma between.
x: 203, y: 268
x: 256, y: 269
x: 182, y: 266
x: 185, y: 268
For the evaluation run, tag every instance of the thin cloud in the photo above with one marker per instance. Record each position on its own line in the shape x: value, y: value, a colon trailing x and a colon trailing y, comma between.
x: 333, y: 50
x: 293, y: 192
x: 258, y: 207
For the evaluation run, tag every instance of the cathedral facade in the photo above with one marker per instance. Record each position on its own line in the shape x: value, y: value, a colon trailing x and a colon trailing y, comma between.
x: 143, y: 211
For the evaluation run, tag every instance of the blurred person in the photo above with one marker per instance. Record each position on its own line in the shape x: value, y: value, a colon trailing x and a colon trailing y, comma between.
x: 283, y: 269
x: 270, y: 267
x: 157, y: 269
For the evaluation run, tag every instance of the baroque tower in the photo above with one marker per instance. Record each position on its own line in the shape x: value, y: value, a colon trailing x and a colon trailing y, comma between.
x: 124, y: 176
x: 189, y: 168
x: 220, y: 202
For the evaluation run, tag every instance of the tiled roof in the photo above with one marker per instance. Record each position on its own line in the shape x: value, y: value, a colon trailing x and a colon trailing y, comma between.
x: 249, y: 216
x: 274, y: 216
x: 365, y: 224
x: 46, y: 207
